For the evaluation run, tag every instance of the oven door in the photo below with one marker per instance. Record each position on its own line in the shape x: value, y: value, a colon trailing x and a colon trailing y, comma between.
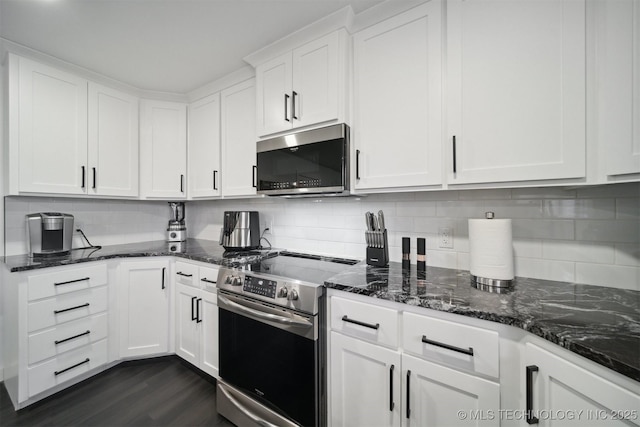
x: 272, y: 355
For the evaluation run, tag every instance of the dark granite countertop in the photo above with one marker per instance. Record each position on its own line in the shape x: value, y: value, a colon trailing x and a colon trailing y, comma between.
x: 193, y: 249
x: 602, y: 324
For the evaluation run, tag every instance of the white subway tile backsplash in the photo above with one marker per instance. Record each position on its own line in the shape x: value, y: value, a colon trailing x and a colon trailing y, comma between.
x: 588, y: 235
x: 580, y: 208
x: 614, y: 276
x: 618, y: 231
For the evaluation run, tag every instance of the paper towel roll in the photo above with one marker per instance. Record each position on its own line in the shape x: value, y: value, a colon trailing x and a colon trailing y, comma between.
x: 491, y: 249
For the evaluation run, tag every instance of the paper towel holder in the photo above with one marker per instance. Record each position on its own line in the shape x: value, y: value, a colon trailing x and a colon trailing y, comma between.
x: 491, y: 285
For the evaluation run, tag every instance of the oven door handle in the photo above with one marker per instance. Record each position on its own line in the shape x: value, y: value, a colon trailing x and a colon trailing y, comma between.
x: 262, y: 315
x: 246, y: 411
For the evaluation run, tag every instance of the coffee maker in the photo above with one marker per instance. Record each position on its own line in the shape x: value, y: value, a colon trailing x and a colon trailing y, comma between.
x: 50, y: 233
x: 176, y: 230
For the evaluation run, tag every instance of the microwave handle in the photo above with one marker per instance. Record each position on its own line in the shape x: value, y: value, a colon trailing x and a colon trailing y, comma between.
x: 254, y: 177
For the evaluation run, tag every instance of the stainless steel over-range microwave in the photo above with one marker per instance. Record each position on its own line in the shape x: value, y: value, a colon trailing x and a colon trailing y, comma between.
x: 305, y: 163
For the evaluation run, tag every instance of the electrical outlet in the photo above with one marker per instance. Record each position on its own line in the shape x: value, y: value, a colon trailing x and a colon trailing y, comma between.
x: 269, y: 228
x: 445, y: 237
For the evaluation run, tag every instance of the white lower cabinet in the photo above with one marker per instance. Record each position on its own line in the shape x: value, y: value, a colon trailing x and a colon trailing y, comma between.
x: 143, y: 306
x: 197, y: 316
x: 375, y: 381
x: 560, y: 392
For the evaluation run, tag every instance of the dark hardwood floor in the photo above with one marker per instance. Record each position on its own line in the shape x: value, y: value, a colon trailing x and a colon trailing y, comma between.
x: 153, y: 392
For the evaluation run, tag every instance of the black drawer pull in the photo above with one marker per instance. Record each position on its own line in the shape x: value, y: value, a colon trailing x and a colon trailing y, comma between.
x: 208, y: 281
x: 391, y: 403
x: 71, y: 281
x: 72, y: 338
x: 357, y: 322
x: 468, y: 351
x: 180, y: 273
x: 529, y: 384
x: 194, y: 316
x: 198, y: 305
x: 408, y: 394
x: 70, y: 308
x: 71, y: 367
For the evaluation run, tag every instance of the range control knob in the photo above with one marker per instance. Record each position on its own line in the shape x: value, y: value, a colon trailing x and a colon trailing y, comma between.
x: 293, y: 295
x: 283, y: 292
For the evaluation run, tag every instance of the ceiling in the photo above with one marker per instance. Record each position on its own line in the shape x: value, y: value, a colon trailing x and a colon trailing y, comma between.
x: 171, y: 46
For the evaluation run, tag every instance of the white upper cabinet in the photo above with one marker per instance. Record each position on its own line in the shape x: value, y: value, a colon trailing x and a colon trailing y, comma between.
x: 398, y: 101
x: 238, y: 139
x: 302, y: 87
x: 516, y: 76
x: 48, y: 135
x: 618, y: 94
x: 204, y: 147
x: 113, y: 142
x: 163, y: 149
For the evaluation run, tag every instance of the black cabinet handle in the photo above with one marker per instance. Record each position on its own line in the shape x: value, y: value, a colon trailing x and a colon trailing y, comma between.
x: 286, y: 107
x: 357, y: 164
x: 357, y: 322
x: 83, y: 177
x: 208, y: 281
x: 254, y: 177
x: 293, y: 105
x: 193, y: 310
x: 198, y: 305
x: 408, y: 394
x: 94, y: 178
x: 468, y: 351
x: 391, y: 404
x: 56, y: 373
x: 70, y: 308
x: 70, y: 281
x: 181, y: 183
x: 215, y: 173
x: 529, y: 384
x: 163, y: 270
x: 184, y: 274
x: 72, y: 338
x: 454, y: 155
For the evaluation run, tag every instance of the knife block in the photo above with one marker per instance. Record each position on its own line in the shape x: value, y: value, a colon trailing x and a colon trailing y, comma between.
x: 379, y: 256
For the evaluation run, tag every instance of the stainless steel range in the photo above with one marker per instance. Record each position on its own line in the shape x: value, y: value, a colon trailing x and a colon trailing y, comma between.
x: 272, y: 341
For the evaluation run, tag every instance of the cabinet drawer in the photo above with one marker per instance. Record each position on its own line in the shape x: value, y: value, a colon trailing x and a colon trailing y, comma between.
x: 208, y: 278
x: 65, y: 337
x: 66, y: 366
x: 186, y: 274
x: 365, y: 321
x: 56, y: 282
x: 64, y: 308
x: 461, y: 346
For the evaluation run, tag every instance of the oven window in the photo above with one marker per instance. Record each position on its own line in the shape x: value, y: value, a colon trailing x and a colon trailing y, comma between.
x: 304, y: 166
x: 275, y: 366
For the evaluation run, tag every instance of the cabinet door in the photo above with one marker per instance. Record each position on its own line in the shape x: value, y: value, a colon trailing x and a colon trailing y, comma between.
x: 204, y: 147
x: 365, y: 383
x: 113, y: 142
x: 187, y: 330
x: 209, y: 333
x: 315, y: 81
x: 143, y: 299
x: 558, y: 386
x: 398, y: 100
x: 273, y: 79
x: 238, y: 139
x: 435, y: 395
x: 516, y: 90
x: 163, y: 149
x: 619, y: 85
x: 52, y: 123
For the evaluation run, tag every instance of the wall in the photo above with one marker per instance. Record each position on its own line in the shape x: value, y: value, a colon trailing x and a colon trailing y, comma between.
x: 588, y: 235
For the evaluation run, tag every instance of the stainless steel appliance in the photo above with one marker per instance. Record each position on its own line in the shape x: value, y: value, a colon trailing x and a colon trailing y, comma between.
x: 177, y: 230
x: 305, y: 163
x: 50, y: 233
x: 272, y: 341
x: 240, y: 230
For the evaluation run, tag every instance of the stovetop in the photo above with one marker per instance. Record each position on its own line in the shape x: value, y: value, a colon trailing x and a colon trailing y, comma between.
x: 313, y: 269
